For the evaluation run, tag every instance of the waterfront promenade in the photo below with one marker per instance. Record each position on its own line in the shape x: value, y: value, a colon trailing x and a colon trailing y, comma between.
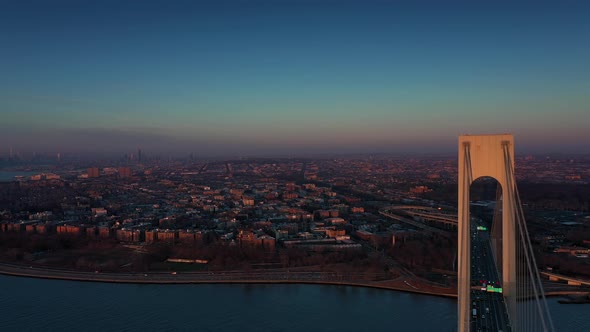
x: 227, y: 277
x: 404, y: 284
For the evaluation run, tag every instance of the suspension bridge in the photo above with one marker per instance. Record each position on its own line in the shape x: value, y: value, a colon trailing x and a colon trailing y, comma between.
x: 499, y: 286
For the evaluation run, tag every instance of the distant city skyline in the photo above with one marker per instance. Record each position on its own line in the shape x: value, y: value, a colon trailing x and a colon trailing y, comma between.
x: 230, y: 78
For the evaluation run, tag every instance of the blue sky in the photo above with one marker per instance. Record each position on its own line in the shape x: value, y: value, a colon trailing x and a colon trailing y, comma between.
x: 292, y: 77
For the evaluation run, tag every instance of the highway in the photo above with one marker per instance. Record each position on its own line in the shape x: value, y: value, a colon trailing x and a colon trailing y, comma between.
x: 421, y: 217
x: 364, y: 279
x: 190, y: 277
x: 387, y: 213
x: 491, y: 313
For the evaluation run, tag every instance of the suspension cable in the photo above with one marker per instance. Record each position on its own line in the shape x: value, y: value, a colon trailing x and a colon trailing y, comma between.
x: 529, y: 258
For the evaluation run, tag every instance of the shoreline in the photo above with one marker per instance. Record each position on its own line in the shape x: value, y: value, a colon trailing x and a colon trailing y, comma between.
x: 193, y: 278
x: 226, y: 277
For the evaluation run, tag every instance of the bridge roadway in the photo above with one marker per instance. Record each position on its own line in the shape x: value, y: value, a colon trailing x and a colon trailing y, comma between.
x: 491, y: 308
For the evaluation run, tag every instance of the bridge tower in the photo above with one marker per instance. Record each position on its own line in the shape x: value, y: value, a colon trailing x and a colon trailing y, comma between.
x: 479, y: 156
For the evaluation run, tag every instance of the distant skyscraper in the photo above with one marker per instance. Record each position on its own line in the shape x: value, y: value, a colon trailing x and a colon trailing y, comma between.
x: 59, y: 156
x: 139, y: 154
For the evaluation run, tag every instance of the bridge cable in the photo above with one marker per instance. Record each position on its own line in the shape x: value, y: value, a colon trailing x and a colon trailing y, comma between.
x: 528, y: 252
x: 468, y: 178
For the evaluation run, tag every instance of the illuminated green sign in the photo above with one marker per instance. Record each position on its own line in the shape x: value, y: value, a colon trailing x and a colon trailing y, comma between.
x: 493, y: 289
x: 482, y: 228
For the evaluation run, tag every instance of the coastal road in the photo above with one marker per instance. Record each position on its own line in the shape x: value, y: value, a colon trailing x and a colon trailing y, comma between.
x: 375, y: 280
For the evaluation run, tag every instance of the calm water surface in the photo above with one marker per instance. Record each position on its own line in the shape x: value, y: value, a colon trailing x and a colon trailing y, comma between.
x: 28, y: 304
x: 7, y: 176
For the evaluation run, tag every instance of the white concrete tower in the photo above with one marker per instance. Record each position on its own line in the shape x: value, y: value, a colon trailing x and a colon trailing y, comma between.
x: 479, y: 156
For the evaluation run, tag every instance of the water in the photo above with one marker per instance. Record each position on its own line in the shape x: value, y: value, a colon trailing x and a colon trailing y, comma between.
x: 29, y: 304
x: 7, y: 176
x: 569, y: 317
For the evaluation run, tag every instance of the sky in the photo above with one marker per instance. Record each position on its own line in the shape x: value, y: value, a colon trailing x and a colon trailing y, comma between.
x: 292, y: 77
